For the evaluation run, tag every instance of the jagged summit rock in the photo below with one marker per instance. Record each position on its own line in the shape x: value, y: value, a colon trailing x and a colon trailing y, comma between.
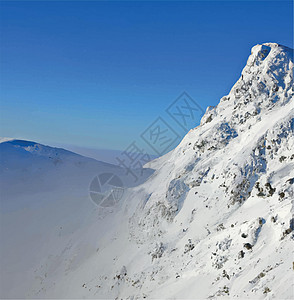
x: 266, y: 81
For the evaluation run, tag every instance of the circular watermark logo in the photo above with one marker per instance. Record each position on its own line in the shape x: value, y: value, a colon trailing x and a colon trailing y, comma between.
x: 106, y: 189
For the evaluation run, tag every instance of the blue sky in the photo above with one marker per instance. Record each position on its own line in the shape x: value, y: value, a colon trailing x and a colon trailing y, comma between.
x: 96, y: 74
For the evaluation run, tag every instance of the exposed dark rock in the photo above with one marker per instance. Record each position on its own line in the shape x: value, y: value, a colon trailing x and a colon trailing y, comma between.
x: 248, y: 246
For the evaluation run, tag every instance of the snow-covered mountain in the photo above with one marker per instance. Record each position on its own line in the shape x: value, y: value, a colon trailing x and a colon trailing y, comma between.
x: 44, y: 205
x: 218, y: 211
x: 215, y: 219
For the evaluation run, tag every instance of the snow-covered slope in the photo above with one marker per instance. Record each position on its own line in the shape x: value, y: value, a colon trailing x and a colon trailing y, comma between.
x: 214, y: 219
x: 220, y: 206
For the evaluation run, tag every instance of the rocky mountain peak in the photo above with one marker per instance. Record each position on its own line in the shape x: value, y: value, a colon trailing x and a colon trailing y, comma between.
x: 266, y: 81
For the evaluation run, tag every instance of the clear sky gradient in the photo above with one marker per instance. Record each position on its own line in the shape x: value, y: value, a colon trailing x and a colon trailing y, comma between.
x: 96, y: 74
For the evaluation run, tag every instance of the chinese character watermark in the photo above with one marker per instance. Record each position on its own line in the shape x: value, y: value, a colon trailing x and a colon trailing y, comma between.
x: 132, y: 159
x: 185, y: 111
x: 107, y: 189
x: 160, y: 136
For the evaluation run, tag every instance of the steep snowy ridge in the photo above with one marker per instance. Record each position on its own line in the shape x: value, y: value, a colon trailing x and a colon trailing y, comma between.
x: 240, y: 126
x: 215, y: 219
x: 219, y: 209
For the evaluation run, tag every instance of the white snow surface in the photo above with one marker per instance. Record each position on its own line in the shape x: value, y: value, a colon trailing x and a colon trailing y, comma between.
x: 214, y: 220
